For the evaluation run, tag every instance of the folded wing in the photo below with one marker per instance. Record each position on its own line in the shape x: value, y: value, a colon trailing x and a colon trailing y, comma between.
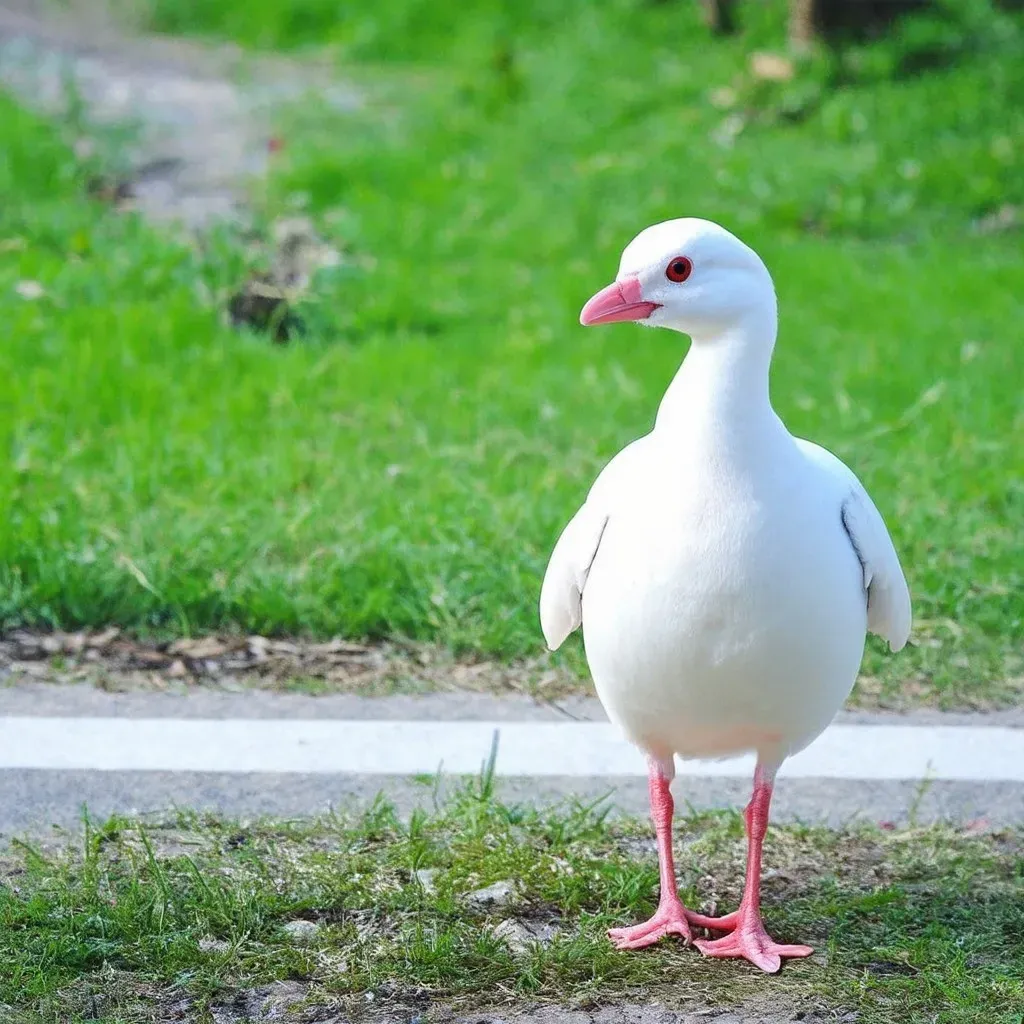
x: 889, y: 610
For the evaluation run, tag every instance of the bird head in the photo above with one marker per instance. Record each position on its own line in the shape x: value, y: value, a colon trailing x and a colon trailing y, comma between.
x: 689, y: 275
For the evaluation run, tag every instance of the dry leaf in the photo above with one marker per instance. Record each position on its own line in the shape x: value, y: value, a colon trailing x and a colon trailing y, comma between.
x: 771, y: 67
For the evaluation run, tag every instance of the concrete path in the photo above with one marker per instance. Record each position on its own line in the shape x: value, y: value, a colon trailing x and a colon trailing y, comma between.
x: 62, y: 748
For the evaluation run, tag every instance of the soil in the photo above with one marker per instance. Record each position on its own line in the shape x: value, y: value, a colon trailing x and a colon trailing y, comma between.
x: 121, y: 663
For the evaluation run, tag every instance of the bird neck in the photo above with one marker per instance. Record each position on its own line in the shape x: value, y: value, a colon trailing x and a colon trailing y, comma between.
x: 722, y: 384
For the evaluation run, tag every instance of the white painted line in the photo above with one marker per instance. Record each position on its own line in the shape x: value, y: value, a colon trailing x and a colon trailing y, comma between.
x: 865, y: 752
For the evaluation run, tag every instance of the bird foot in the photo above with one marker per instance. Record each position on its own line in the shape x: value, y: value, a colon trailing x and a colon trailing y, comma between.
x: 747, y: 939
x: 671, y: 918
x: 725, y: 923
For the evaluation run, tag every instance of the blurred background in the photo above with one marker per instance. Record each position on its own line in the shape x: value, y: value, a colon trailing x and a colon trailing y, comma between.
x: 290, y: 294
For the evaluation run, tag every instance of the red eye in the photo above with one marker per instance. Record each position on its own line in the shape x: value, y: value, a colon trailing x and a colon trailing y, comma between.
x: 679, y: 269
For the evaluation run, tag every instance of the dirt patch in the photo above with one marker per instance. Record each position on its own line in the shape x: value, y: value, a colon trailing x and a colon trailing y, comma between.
x: 280, y: 1001
x: 638, y: 1011
x: 299, y: 1002
x: 765, y: 1011
x: 295, y: 1002
x: 117, y: 662
x: 655, y: 1009
x: 112, y: 993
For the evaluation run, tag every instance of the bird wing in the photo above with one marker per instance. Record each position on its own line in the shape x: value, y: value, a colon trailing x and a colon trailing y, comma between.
x: 889, y: 610
x: 561, y: 595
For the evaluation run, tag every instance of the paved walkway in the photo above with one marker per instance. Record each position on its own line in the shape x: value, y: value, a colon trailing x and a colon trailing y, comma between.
x: 264, y: 753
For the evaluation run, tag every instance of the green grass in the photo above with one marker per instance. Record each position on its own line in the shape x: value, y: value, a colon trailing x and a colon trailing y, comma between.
x: 920, y: 925
x: 406, y: 469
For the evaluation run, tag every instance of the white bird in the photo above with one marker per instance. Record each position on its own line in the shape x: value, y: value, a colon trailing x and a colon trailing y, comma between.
x: 725, y: 572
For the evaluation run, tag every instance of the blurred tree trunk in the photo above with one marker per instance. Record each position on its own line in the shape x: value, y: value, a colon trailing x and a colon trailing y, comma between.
x: 825, y: 19
x: 830, y: 19
x: 804, y: 22
x: 720, y: 16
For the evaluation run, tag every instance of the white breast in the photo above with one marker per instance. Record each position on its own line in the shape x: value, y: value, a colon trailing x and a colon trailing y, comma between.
x: 724, y: 611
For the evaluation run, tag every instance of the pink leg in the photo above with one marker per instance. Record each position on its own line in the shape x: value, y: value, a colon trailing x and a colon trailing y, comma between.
x: 671, y: 915
x: 747, y: 937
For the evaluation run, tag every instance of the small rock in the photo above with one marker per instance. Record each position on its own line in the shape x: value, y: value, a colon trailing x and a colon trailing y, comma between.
x: 177, y: 669
x: 514, y: 934
x: 301, y: 931
x: 427, y: 879
x: 209, y: 945
x: 258, y: 647
x: 500, y: 894
x: 519, y: 936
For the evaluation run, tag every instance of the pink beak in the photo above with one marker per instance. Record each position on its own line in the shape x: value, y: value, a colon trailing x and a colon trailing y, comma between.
x: 621, y: 300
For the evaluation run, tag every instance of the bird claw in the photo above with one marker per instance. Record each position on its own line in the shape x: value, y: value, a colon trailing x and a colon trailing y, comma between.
x: 749, y: 940
x: 669, y: 919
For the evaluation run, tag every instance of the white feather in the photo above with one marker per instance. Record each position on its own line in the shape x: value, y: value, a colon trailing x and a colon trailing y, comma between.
x: 561, y: 594
x: 889, y: 610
